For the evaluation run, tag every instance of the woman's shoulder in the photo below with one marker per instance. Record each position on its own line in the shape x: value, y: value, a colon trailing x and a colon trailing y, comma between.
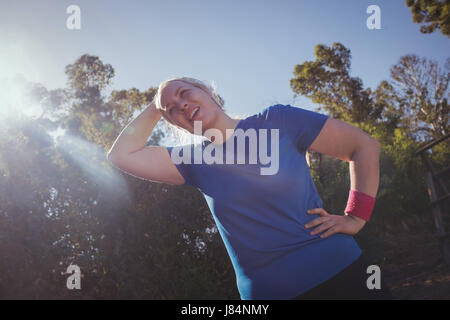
x: 276, y: 114
x: 270, y: 113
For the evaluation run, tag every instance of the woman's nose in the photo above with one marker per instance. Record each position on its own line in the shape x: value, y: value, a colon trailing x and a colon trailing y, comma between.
x: 184, y: 106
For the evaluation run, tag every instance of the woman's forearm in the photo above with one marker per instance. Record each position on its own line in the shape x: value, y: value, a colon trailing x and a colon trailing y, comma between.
x: 134, y: 136
x: 365, y: 169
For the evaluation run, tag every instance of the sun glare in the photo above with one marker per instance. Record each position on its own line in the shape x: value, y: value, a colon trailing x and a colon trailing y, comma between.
x: 15, y: 101
x: 16, y: 70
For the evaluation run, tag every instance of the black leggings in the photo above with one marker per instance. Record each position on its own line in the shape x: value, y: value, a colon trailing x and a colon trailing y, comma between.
x: 349, y: 284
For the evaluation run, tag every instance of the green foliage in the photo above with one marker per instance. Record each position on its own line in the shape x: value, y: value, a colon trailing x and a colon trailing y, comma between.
x: 327, y: 82
x: 88, y: 77
x: 64, y: 203
x: 416, y: 97
x: 432, y: 14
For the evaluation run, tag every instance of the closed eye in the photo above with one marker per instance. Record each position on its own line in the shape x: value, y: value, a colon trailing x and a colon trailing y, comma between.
x: 181, y: 95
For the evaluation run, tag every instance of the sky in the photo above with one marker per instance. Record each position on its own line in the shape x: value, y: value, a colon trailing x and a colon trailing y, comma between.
x: 248, y: 48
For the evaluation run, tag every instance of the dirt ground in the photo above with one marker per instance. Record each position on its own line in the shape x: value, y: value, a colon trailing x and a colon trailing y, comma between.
x: 414, y: 268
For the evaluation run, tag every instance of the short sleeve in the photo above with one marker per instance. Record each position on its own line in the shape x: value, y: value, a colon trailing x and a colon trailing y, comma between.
x: 302, y: 126
x: 185, y: 168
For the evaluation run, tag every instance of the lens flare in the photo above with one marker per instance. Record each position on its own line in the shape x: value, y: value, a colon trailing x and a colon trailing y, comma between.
x: 15, y: 101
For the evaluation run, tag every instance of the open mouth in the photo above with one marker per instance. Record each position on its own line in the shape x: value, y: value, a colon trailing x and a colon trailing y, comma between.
x: 195, y: 113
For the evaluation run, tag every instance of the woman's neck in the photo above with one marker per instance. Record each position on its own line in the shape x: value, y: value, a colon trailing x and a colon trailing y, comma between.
x: 226, y: 126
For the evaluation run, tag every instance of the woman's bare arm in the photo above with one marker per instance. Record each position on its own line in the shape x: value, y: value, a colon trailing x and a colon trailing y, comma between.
x: 130, y: 153
x: 134, y: 136
x: 346, y: 142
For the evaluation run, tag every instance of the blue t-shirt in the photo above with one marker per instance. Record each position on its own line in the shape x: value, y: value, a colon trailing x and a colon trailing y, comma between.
x: 261, y: 217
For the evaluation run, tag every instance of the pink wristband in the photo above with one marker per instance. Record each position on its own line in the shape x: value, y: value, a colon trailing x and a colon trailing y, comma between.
x: 360, y: 205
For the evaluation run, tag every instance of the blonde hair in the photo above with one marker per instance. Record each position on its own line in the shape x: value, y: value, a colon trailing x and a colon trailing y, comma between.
x: 210, y: 89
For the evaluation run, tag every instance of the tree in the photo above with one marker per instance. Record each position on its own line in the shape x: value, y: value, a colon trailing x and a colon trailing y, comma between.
x: 415, y: 98
x: 327, y: 82
x: 88, y: 76
x: 432, y: 14
x: 417, y: 95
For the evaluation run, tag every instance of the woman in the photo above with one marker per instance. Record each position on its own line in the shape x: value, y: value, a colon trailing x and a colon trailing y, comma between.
x: 281, y: 242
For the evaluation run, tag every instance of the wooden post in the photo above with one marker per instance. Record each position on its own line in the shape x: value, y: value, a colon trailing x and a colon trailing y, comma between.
x: 437, y: 201
x: 436, y: 209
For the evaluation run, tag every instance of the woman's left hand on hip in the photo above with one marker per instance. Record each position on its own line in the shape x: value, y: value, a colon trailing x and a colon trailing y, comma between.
x: 333, y: 223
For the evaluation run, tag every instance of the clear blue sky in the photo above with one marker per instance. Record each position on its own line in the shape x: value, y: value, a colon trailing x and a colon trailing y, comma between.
x: 249, y: 48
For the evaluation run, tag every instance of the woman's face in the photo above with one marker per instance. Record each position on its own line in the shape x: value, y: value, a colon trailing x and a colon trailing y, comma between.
x: 185, y: 103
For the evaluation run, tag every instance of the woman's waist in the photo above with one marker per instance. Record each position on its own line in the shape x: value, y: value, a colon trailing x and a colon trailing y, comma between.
x: 253, y: 257
x: 298, y: 269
